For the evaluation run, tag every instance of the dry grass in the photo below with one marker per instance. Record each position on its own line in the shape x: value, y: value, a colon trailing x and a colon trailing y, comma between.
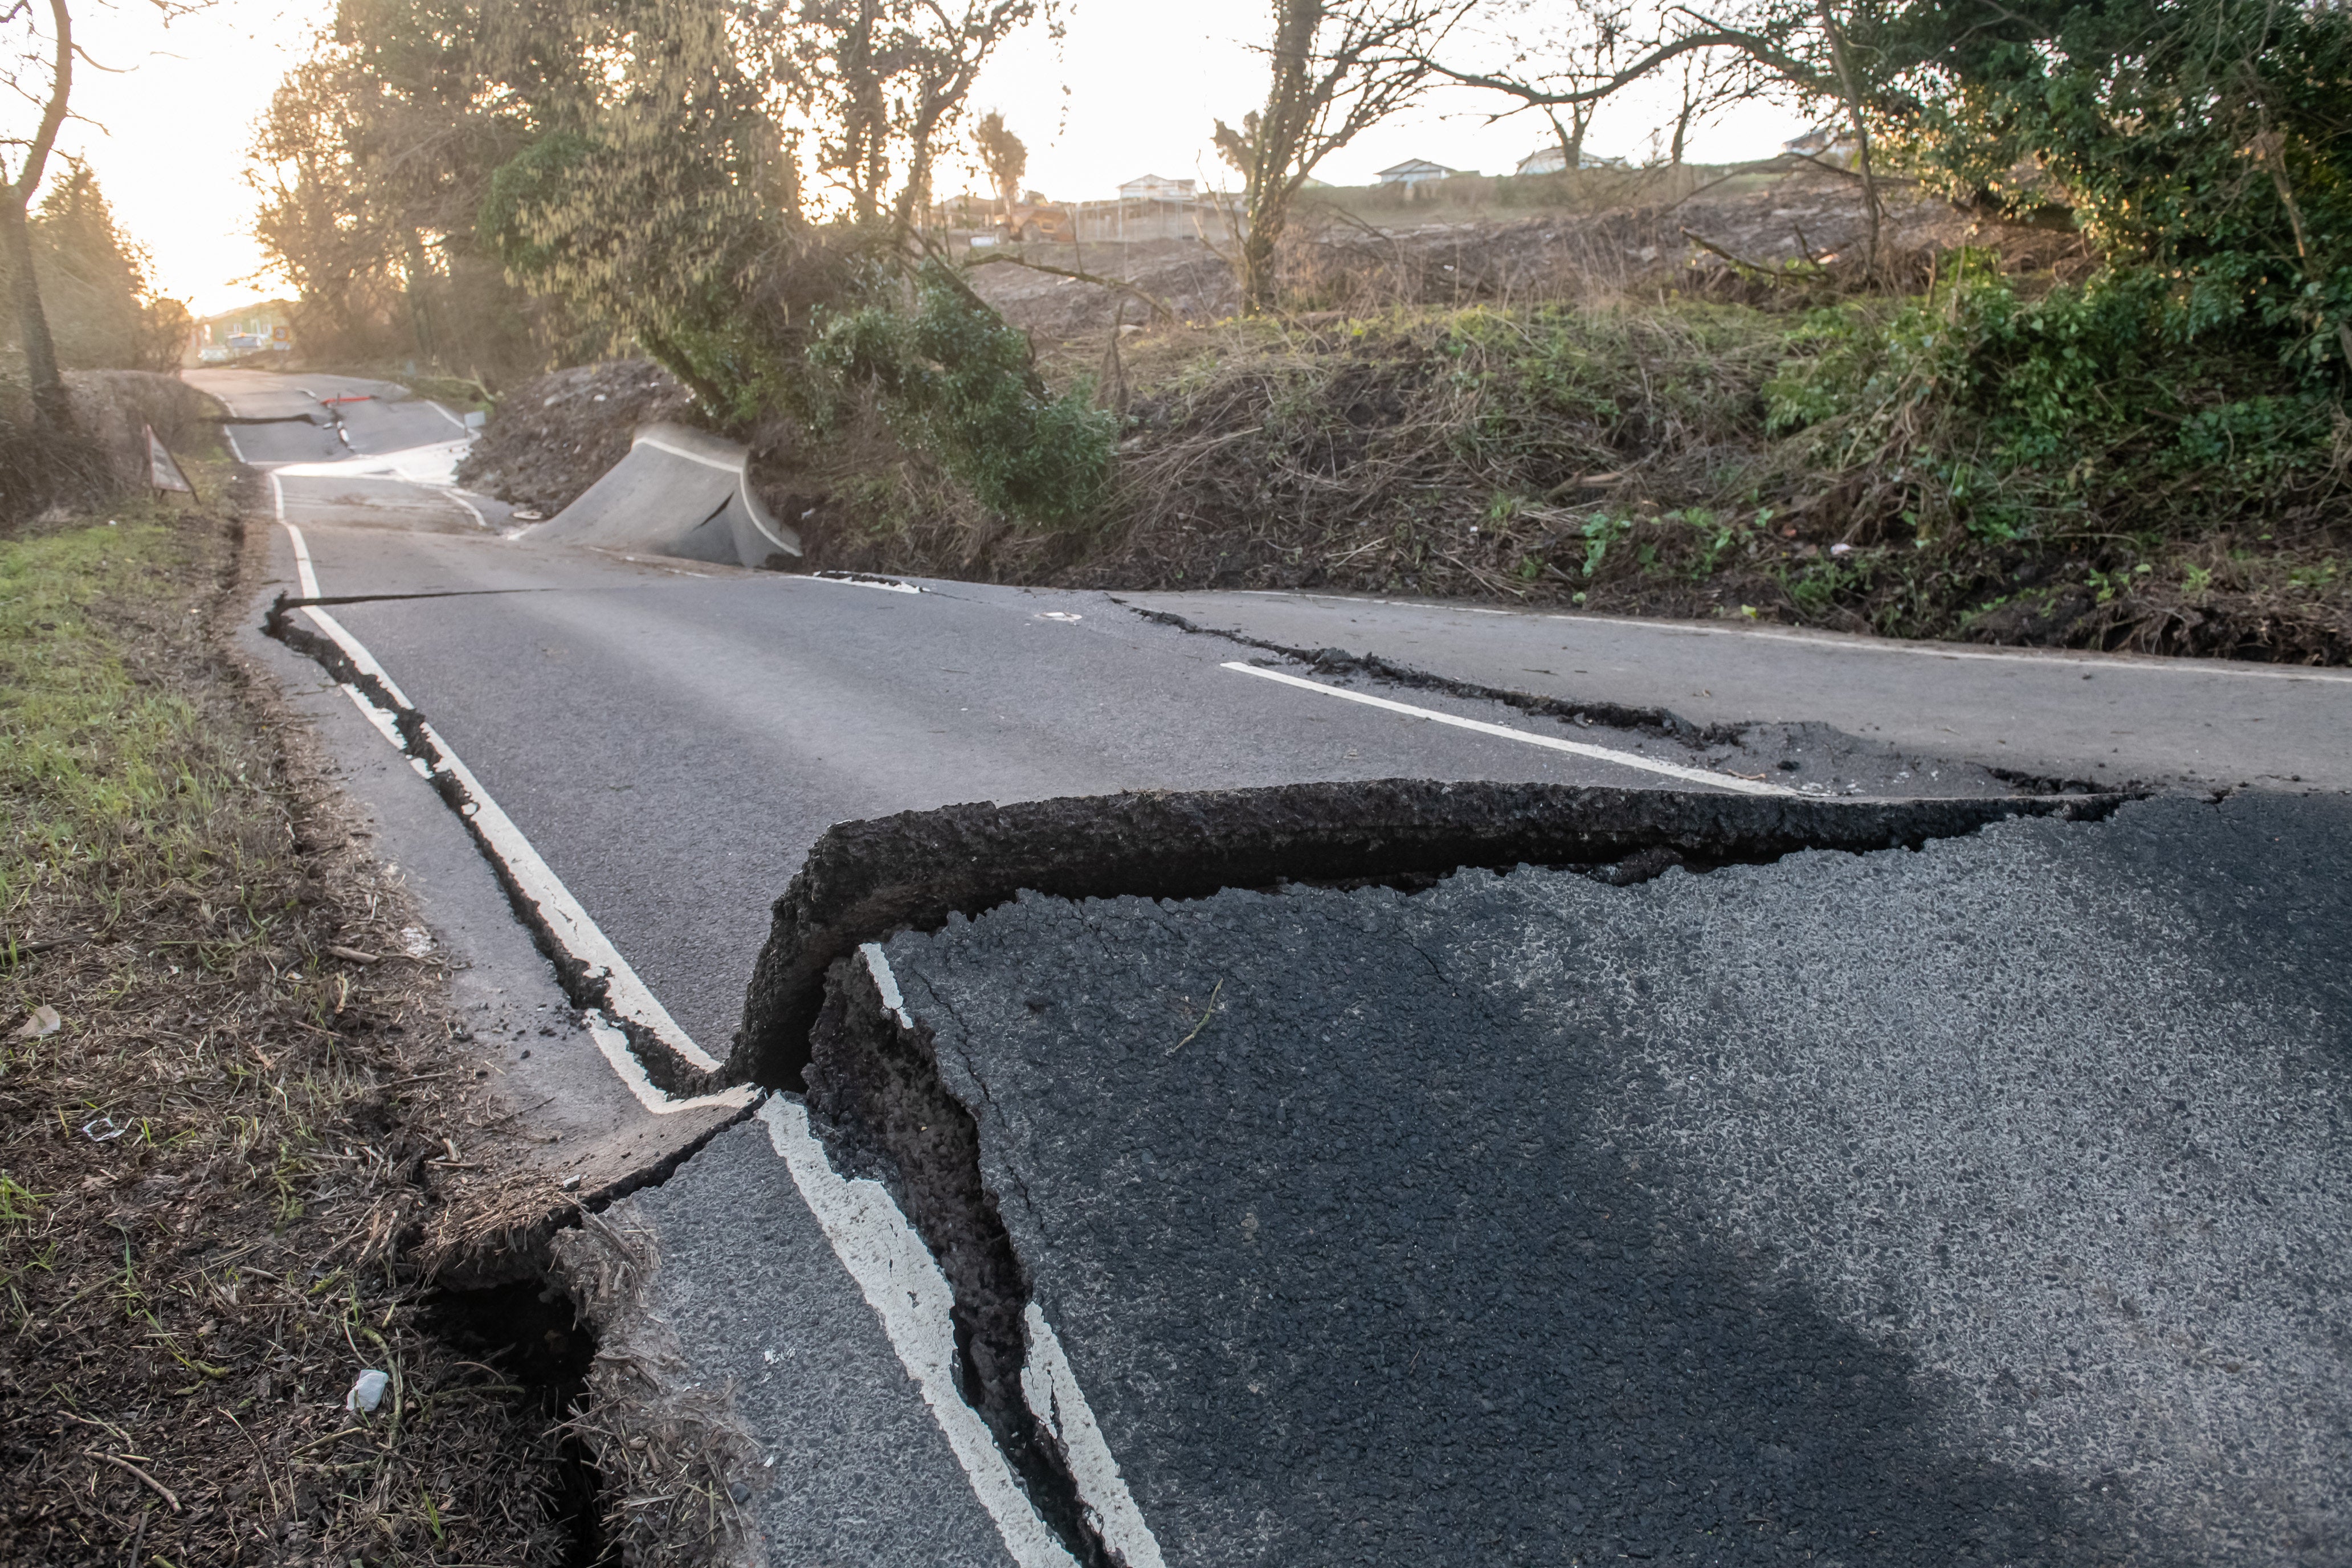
x: 678, y: 1464
x: 252, y: 1107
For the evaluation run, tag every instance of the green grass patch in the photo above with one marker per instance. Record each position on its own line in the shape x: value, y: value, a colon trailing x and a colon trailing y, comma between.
x: 112, y: 780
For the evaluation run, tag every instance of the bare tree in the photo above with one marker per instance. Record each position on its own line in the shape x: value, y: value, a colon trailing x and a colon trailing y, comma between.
x: 40, y: 70
x: 1004, y: 156
x: 37, y: 65
x: 886, y: 80
x: 1339, y: 67
x: 1604, y: 47
x: 1850, y: 93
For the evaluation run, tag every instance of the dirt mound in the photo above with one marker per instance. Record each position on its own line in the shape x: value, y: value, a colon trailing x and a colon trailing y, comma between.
x: 553, y: 437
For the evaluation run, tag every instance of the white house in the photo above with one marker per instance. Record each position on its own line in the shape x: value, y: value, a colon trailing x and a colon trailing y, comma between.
x: 1413, y: 170
x: 1548, y: 159
x: 1832, y: 143
x: 1156, y: 188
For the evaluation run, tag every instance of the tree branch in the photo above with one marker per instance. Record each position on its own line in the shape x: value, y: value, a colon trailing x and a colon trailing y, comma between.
x: 28, y: 178
x: 1155, y: 307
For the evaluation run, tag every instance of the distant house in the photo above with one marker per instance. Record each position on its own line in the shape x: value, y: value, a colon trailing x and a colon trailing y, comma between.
x: 1157, y: 188
x: 1414, y: 171
x: 1829, y: 143
x: 1549, y: 159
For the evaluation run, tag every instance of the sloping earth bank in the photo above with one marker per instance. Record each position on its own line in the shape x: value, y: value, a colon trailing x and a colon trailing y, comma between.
x: 1542, y: 410
x: 236, y: 1117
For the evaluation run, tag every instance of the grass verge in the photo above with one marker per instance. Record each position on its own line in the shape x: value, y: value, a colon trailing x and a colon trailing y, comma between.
x: 229, y: 1098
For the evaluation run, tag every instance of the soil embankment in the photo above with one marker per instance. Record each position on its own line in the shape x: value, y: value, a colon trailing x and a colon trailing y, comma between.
x: 1548, y: 408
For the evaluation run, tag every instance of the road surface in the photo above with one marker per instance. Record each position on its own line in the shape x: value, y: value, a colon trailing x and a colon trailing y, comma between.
x: 667, y: 738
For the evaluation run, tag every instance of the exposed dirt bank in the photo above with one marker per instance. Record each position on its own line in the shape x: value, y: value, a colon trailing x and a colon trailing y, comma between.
x: 1549, y: 409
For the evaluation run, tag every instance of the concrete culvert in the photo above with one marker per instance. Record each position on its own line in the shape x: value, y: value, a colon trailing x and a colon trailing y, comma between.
x: 680, y: 492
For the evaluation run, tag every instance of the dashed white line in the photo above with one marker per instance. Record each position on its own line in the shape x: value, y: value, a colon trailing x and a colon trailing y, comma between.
x: 2152, y: 664
x: 1524, y: 737
x: 887, y: 584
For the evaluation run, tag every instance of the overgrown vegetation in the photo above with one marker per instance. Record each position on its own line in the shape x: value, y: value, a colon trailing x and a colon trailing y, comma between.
x: 1988, y: 445
x: 225, y: 1089
x: 952, y: 379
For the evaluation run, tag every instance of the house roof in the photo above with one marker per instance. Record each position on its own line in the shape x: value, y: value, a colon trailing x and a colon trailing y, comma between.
x: 1153, y: 180
x: 1414, y: 165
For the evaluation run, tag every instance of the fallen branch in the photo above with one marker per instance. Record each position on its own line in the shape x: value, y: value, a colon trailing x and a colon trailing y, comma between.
x: 1777, y: 274
x: 1155, y: 307
x: 161, y: 1489
x: 16, y: 951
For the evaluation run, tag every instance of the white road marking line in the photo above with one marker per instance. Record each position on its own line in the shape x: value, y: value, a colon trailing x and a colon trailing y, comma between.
x: 625, y: 995
x: 2147, y: 665
x: 613, y: 1043
x: 471, y: 510
x: 452, y: 418
x: 1055, y: 1397
x: 569, y: 924
x: 229, y: 435
x: 1526, y: 737
x: 877, y: 964
x: 902, y: 1282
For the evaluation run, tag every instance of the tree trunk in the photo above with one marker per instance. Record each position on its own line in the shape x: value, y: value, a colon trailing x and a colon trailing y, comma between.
x: 1861, y: 137
x: 1281, y: 135
x: 50, y: 403
x: 420, y: 315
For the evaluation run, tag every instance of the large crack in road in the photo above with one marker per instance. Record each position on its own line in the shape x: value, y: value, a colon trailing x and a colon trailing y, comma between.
x: 1798, y: 1214
x: 937, y: 1096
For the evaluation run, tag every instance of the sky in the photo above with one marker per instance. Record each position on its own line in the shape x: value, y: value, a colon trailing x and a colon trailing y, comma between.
x: 1129, y: 90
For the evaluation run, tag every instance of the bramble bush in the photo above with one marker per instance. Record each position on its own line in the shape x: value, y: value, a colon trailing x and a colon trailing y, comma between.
x: 954, y: 378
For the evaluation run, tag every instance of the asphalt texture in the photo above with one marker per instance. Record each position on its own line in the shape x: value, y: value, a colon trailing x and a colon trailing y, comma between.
x: 1486, y: 1139
x: 2104, y: 717
x: 1986, y: 1202
x: 853, y: 1469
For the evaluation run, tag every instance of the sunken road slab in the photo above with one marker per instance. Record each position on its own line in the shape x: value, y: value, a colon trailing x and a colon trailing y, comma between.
x: 1985, y: 1202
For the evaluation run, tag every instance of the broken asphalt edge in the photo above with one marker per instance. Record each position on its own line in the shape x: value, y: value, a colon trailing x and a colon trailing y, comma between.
x: 863, y: 881
x: 584, y: 986
x: 1660, y: 722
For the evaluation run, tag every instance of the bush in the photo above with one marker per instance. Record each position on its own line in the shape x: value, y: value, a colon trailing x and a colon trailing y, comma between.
x: 954, y: 378
x: 2006, y: 412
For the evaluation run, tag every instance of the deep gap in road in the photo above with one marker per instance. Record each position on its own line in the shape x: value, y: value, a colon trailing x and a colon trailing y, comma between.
x: 585, y: 990
x: 863, y: 881
x: 879, y: 1104
x: 529, y: 1332
x: 877, y: 1100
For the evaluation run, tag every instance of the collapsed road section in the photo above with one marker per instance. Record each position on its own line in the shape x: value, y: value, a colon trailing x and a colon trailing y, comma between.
x: 1980, y: 1202
x: 678, y: 493
x: 1016, y: 1467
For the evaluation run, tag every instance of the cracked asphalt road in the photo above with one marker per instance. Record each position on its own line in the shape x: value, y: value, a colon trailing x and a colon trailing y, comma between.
x: 672, y: 737
x: 1987, y: 1203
